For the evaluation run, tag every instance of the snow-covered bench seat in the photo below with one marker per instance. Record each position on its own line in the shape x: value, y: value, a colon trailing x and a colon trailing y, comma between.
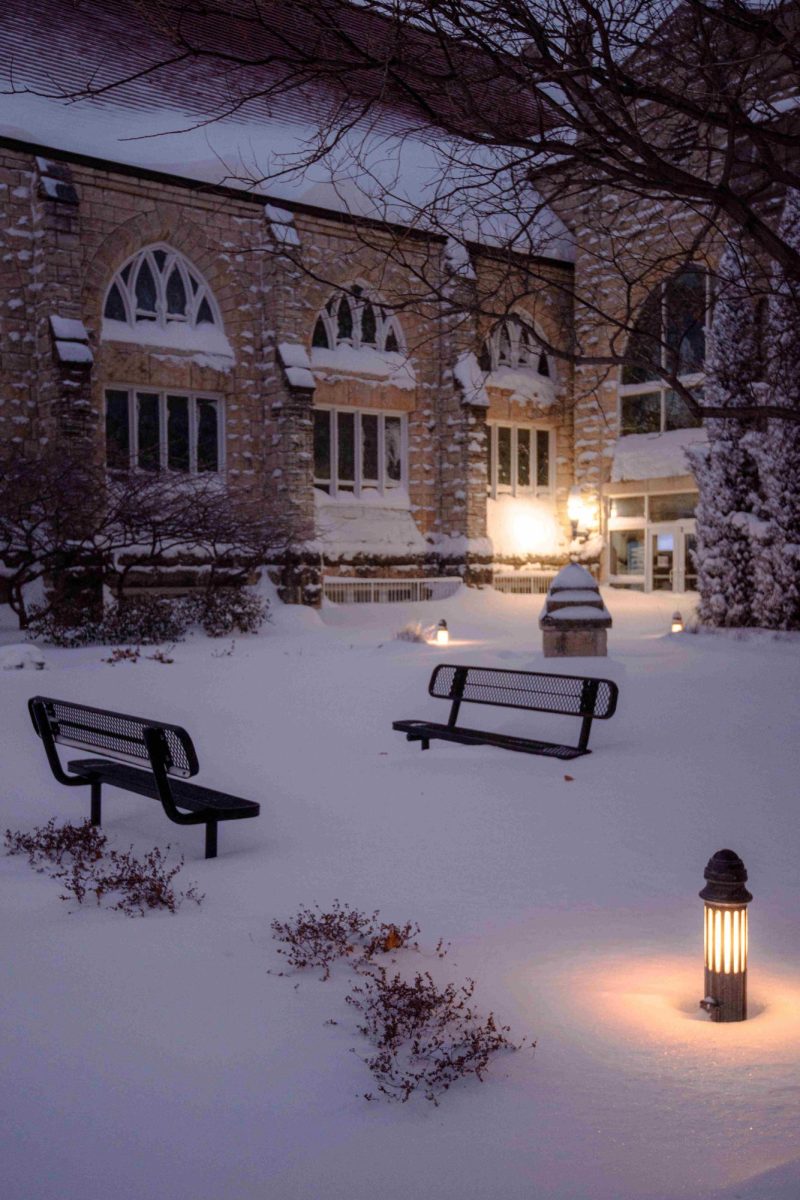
x: 567, y: 695
x: 165, y: 750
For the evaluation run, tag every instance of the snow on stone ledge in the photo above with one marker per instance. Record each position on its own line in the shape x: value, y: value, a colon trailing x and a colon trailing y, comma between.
x: 386, y: 366
x: 297, y: 365
x: 578, y: 612
x: 178, y: 335
x: 471, y: 379
x: 457, y: 259
x: 574, y: 577
x: 654, y: 455
x: 281, y: 223
x: 524, y: 383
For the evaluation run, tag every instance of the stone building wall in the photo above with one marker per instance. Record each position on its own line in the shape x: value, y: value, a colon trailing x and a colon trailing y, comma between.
x: 67, y: 224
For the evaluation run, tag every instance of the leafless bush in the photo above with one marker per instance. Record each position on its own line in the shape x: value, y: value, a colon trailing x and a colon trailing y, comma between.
x: 223, y: 611
x: 425, y: 1037
x: 415, y: 631
x: 317, y: 939
x: 78, y: 855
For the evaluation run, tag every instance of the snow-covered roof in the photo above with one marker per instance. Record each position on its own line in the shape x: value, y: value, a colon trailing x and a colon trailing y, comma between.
x: 184, y: 120
x: 654, y: 455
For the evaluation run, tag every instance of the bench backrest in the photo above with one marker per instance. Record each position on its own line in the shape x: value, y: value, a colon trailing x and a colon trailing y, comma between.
x: 111, y: 734
x: 572, y: 695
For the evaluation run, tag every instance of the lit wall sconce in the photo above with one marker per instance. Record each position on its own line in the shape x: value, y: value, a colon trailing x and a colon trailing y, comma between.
x: 581, y: 511
x: 725, y: 937
x: 677, y: 623
x: 442, y: 633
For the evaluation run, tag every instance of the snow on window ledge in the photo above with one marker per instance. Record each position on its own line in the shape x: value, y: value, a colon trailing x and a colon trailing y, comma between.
x: 654, y: 455
x: 370, y: 498
x: 176, y: 335
x: 388, y: 366
x: 524, y: 383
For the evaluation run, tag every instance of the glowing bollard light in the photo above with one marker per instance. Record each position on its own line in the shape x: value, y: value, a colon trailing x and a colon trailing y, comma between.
x: 442, y: 633
x: 677, y: 623
x: 725, y: 937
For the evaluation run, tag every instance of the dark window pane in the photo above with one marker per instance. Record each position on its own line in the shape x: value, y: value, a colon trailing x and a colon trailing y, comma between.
x: 643, y: 356
x: 344, y: 321
x: 195, y: 284
x: 485, y: 358
x: 322, y: 444
x: 542, y: 458
x: 369, y: 447
x: 161, y: 257
x: 345, y: 427
x: 490, y: 480
x: 204, y: 313
x: 147, y: 406
x: 626, y: 552
x: 125, y: 273
x: 207, y: 435
x: 369, y: 330
x: 641, y: 414
x: 503, y: 456
x: 679, y: 507
x: 504, y: 348
x: 392, y: 344
x: 176, y: 294
x: 678, y: 415
x: 178, y: 433
x: 523, y: 458
x: 544, y: 365
x: 320, y: 336
x: 393, y: 448
x: 118, y: 434
x: 627, y: 506
x: 145, y: 289
x: 685, y: 321
x: 115, y: 306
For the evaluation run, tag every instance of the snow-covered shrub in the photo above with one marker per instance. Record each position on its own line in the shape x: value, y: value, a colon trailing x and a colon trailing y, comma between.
x: 425, y: 1037
x: 144, y: 621
x: 725, y: 469
x: 78, y: 855
x: 316, y: 939
x: 415, y: 631
x: 224, y: 611
x: 777, y: 576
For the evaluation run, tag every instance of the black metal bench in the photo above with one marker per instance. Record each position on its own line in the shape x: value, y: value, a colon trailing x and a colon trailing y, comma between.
x: 567, y: 695
x: 166, y: 750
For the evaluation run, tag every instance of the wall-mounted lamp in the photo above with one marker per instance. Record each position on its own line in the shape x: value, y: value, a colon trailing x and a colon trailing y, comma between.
x: 442, y: 633
x: 725, y: 937
x: 677, y: 623
x: 581, y: 511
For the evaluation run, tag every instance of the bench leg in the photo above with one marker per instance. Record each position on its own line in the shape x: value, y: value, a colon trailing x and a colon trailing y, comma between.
x: 211, y: 839
x: 96, y: 802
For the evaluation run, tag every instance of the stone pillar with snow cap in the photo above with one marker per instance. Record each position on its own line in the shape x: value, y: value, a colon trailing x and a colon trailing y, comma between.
x: 575, y: 620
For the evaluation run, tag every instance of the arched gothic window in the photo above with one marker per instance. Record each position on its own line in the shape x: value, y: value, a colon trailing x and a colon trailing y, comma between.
x: 159, y: 288
x: 352, y: 319
x: 669, y: 338
x: 513, y: 344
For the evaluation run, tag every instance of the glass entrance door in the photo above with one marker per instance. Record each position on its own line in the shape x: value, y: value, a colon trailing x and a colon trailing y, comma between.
x: 671, y: 557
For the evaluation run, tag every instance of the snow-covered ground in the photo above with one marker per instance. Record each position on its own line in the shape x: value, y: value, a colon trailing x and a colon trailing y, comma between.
x: 158, y: 1058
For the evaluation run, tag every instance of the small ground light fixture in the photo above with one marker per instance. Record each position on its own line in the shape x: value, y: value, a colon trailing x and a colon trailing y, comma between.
x: 442, y: 633
x: 677, y: 623
x: 725, y: 937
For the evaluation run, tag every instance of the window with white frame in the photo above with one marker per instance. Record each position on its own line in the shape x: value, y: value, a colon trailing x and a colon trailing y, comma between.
x: 669, y: 336
x: 351, y: 319
x: 163, y: 431
x: 512, y: 343
x: 520, y: 460
x: 158, y: 287
x: 357, y: 452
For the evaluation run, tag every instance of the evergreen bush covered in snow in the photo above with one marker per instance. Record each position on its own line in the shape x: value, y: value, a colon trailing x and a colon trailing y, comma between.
x: 776, y: 602
x: 725, y: 469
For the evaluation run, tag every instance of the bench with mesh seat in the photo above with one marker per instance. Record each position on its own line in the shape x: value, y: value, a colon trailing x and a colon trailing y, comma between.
x: 164, y: 751
x: 567, y: 695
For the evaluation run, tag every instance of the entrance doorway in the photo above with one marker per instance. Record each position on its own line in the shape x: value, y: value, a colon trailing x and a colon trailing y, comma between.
x: 670, y: 559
